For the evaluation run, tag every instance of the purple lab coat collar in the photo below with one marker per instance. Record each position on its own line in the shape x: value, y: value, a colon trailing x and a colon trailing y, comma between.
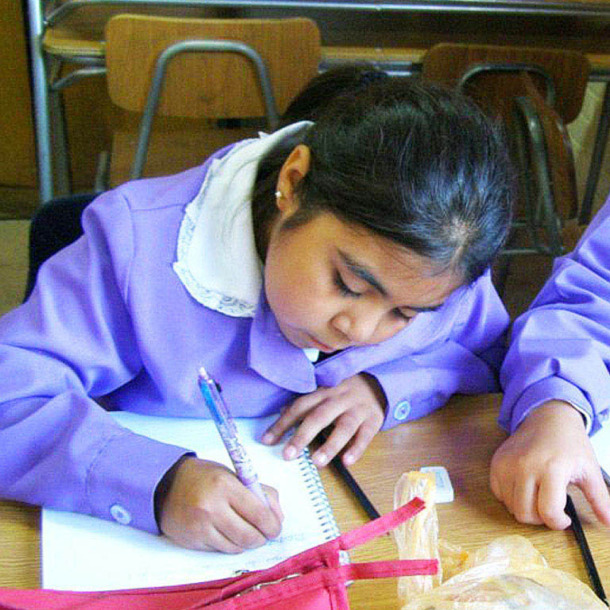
x: 268, y: 346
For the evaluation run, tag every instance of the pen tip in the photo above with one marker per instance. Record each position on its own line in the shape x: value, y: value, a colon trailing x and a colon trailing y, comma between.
x: 203, y: 374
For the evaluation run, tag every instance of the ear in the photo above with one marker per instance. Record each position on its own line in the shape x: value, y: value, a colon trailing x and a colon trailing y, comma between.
x: 293, y: 171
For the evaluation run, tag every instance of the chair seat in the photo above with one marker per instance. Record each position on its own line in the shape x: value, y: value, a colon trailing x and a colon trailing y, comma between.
x: 65, y: 43
x: 170, y: 152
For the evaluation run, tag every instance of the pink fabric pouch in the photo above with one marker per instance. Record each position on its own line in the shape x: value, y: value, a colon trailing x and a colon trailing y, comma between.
x: 312, y: 580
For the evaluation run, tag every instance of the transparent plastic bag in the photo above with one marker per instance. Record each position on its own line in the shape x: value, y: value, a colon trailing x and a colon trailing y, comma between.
x: 417, y: 539
x: 507, y: 573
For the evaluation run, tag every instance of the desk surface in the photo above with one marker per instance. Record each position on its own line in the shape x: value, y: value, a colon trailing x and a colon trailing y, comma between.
x: 462, y: 437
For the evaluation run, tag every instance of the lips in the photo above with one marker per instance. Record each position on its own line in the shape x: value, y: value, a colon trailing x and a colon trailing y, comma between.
x: 327, y: 349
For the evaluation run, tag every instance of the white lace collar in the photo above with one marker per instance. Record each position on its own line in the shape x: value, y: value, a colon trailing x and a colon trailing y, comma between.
x: 217, y: 260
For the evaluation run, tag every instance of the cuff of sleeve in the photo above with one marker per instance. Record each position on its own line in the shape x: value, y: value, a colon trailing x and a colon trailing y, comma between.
x: 552, y: 388
x: 121, y: 481
x: 588, y: 419
x: 402, y: 406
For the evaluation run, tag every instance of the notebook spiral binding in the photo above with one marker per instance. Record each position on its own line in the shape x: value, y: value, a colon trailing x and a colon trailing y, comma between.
x: 316, y: 490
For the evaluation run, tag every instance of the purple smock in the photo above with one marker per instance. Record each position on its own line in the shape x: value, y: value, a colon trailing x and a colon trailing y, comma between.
x: 110, y: 326
x: 560, y: 347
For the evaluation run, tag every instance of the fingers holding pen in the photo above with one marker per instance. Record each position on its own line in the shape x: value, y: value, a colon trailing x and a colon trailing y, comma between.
x: 256, y: 513
x: 246, y: 522
x: 207, y: 507
x: 532, y: 469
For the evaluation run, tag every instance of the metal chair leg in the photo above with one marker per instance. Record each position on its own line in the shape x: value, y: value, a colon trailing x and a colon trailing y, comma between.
x: 58, y: 135
x: 543, y: 220
x: 597, y: 156
x: 40, y: 100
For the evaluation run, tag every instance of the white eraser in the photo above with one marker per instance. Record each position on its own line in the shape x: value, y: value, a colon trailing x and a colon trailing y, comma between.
x: 444, y: 489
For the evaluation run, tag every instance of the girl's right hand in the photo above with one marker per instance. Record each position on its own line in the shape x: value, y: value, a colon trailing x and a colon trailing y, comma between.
x: 208, y: 508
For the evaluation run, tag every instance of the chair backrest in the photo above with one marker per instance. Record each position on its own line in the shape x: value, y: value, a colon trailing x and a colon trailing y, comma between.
x: 215, y: 85
x: 448, y: 63
x: 535, y: 92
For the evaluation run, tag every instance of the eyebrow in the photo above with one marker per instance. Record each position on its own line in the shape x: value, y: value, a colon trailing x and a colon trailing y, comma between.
x: 363, y: 273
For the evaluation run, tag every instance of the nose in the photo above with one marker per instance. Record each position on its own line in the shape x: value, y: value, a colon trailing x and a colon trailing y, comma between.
x: 358, y: 325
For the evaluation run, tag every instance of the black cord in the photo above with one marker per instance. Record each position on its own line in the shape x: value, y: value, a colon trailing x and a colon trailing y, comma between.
x: 349, y: 480
x: 337, y: 464
x: 579, y: 534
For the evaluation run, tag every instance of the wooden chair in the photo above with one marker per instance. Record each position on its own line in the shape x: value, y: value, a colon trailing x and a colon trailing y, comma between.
x: 535, y: 93
x: 203, y: 76
x: 66, y: 40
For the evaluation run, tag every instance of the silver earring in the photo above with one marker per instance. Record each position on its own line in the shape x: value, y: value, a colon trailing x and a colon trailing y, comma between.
x: 278, y: 194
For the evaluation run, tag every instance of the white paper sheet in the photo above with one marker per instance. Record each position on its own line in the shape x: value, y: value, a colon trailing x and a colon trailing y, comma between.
x: 82, y: 553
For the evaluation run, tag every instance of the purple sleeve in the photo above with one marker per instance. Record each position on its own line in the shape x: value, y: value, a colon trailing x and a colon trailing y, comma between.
x: 466, y: 361
x: 560, y: 347
x: 70, y: 342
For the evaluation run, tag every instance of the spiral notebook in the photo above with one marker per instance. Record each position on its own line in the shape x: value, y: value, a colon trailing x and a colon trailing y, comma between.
x: 82, y: 553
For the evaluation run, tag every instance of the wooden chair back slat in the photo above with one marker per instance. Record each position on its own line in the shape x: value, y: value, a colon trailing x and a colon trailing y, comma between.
x: 210, y: 85
x: 446, y: 62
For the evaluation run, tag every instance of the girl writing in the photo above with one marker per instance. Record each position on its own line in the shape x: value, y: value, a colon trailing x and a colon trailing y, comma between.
x: 336, y: 273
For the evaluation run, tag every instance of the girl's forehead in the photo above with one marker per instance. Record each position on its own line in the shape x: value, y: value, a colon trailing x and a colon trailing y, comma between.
x: 394, y: 270
x: 393, y: 258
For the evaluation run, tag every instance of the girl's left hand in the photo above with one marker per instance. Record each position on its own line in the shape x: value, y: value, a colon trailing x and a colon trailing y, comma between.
x: 355, y: 407
x: 532, y: 469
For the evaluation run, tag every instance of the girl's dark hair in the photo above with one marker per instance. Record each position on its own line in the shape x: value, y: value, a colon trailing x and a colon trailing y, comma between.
x: 414, y: 163
x: 321, y: 90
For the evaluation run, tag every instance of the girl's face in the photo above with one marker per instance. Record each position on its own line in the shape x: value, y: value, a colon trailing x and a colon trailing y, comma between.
x: 332, y: 285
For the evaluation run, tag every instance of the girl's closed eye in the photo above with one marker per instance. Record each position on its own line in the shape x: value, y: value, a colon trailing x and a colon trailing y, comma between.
x: 345, y: 290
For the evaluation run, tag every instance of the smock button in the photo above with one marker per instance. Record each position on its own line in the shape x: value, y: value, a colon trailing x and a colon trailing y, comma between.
x: 120, y: 514
x: 402, y: 410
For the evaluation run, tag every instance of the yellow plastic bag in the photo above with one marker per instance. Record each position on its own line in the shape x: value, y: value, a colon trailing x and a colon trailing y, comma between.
x: 507, y: 573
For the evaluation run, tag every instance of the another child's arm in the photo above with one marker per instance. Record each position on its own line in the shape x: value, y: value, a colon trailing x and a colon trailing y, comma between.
x: 355, y: 408
x: 531, y: 470
x: 206, y: 507
x: 559, y: 356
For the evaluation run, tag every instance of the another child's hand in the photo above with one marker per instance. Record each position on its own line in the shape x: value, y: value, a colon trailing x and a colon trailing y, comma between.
x: 355, y: 408
x: 208, y: 508
x: 531, y: 470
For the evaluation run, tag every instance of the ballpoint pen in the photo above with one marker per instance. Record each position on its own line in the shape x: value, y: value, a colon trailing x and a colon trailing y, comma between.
x: 228, y: 433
